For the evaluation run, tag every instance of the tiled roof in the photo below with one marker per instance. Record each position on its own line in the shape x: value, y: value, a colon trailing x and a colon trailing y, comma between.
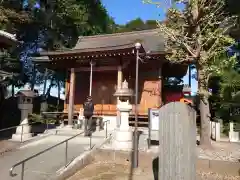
x: 151, y: 40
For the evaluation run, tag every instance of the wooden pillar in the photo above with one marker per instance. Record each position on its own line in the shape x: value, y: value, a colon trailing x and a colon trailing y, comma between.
x: 160, y: 86
x: 119, y: 77
x: 71, y: 97
x: 67, y: 87
x: 90, y: 80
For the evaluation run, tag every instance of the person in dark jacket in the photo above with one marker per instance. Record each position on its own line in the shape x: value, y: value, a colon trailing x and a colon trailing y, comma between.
x: 88, y: 108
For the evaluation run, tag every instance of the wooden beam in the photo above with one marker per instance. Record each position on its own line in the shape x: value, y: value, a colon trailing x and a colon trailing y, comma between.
x: 102, y: 68
x: 71, y: 97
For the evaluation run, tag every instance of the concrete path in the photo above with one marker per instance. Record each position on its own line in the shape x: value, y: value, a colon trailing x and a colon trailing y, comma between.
x: 45, y: 165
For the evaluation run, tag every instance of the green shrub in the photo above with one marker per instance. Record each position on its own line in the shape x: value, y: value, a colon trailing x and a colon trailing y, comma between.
x: 39, y: 118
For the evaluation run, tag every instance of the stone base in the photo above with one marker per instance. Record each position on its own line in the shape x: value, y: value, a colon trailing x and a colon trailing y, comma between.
x: 22, y: 137
x: 25, y: 129
x: 123, y: 139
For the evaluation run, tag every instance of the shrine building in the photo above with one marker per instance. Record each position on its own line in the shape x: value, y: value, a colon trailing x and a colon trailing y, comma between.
x: 98, y: 65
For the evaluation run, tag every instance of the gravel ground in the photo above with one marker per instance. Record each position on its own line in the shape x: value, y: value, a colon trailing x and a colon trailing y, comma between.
x: 107, y: 167
x: 113, y: 171
x: 223, y: 151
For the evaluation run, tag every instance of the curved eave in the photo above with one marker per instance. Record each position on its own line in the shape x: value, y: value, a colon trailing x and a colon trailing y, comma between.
x: 7, y: 39
x: 99, y: 52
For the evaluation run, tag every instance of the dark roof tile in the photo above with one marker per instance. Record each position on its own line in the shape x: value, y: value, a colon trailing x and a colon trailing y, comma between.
x: 27, y: 93
x: 151, y: 40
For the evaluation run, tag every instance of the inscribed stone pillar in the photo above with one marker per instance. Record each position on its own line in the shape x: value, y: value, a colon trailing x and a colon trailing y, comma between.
x: 71, y: 97
x: 177, y: 142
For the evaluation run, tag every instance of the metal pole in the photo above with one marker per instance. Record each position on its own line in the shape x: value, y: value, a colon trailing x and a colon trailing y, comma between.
x: 91, y: 74
x: 22, y: 173
x: 90, y: 141
x: 189, y: 76
x: 33, y: 76
x: 21, y: 133
x: 66, y: 153
x: 135, y: 147
x: 106, y: 129
x: 160, y: 86
x: 47, y: 125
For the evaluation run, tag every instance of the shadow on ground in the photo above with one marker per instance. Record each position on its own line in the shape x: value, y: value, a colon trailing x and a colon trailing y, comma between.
x: 155, y: 166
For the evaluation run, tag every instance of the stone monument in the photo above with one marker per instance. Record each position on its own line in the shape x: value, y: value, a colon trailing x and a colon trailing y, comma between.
x: 177, y: 142
x: 123, y: 134
x: 25, y: 104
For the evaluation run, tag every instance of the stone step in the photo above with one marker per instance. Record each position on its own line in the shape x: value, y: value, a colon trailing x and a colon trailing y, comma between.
x: 64, y: 131
x: 73, y: 132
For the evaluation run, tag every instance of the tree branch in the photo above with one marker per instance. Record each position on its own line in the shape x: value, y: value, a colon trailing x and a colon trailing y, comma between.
x: 175, y: 39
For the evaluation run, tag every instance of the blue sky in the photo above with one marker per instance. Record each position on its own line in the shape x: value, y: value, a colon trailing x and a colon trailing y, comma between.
x: 126, y: 10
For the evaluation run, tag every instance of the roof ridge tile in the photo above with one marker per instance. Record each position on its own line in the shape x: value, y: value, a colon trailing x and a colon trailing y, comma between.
x: 118, y: 34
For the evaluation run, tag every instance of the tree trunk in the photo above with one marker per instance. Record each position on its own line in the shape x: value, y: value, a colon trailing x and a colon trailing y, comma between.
x: 33, y: 77
x: 49, y: 89
x: 204, y: 110
x: 59, y: 89
x: 205, y: 123
x: 2, y: 95
x: 44, y: 105
x: 202, y: 78
x: 45, y: 81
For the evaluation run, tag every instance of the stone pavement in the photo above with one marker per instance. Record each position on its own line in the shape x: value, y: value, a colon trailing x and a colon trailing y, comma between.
x: 6, y: 145
x: 45, y: 165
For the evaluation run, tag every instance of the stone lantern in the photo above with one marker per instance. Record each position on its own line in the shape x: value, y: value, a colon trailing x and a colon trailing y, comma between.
x: 123, y: 134
x: 25, y: 104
